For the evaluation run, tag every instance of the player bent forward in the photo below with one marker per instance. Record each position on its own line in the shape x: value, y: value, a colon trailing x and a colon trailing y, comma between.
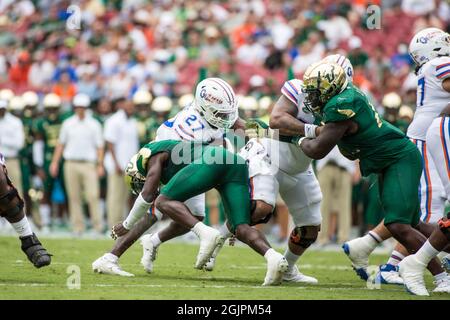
x: 11, y: 208
x: 353, y: 124
x: 206, y: 167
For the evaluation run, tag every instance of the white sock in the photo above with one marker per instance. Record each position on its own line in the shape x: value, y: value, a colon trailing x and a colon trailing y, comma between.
x: 291, y: 257
x: 269, y: 253
x: 426, y: 253
x: 200, y: 229
x: 371, y: 241
x: 22, y: 227
x: 155, y: 240
x: 224, y: 231
x: 395, y: 258
x: 111, y: 257
x: 45, y: 212
x: 440, y: 276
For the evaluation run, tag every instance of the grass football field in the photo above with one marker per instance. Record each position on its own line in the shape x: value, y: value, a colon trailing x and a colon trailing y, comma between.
x: 238, y: 275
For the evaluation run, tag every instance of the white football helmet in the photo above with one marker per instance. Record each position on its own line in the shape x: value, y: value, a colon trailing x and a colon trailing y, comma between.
x: 216, y: 102
x: 343, y: 62
x: 428, y: 44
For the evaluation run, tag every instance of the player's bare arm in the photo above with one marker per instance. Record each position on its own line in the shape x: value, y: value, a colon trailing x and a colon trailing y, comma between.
x: 330, y: 135
x: 446, y: 111
x: 446, y: 84
x: 283, y: 118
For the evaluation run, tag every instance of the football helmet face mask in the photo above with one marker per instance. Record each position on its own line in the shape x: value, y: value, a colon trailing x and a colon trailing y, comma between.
x: 133, y: 178
x: 321, y: 82
x: 216, y: 102
x: 428, y: 44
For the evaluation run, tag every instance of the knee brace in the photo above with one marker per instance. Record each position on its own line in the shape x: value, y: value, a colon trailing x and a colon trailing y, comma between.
x: 304, y: 236
x: 11, y: 204
x: 444, y: 226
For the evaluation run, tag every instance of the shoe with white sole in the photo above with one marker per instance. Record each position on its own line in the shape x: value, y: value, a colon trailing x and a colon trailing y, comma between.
x: 208, y: 243
x: 442, y: 286
x: 276, y: 267
x: 359, y: 257
x: 388, y: 274
x: 294, y: 275
x: 209, y: 266
x: 446, y: 263
x: 149, y: 253
x: 106, y: 265
x: 412, y: 274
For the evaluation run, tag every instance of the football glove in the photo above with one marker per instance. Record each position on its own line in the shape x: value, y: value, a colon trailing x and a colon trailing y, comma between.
x: 255, y: 128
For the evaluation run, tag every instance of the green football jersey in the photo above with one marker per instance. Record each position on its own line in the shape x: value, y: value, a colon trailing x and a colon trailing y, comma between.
x: 377, y: 143
x: 49, y: 130
x: 181, y: 153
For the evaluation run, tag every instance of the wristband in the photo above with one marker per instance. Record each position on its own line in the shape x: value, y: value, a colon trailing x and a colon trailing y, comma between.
x: 310, y: 130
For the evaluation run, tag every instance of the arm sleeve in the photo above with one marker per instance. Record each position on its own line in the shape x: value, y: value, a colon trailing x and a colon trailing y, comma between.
x: 110, y: 133
x: 443, y: 69
x: 63, y: 133
x: 292, y: 90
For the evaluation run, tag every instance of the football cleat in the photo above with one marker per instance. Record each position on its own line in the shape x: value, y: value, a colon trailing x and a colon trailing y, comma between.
x: 209, y: 266
x: 294, y: 275
x: 276, y: 267
x: 208, y: 243
x: 358, y: 257
x: 106, y: 265
x: 35, y: 252
x: 446, y: 263
x: 388, y: 274
x: 442, y: 286
x: 149, y: 253
x: 412, y: 274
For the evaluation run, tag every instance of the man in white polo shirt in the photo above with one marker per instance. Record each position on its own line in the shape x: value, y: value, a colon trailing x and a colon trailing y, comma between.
x: 81, y: 145
x: 122, y: 142
x: 12, y: 140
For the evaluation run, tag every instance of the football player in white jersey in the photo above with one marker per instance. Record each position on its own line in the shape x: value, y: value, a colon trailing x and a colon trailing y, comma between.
x: 213, y: 111
x: 430, y: 51
x: 296, y: 181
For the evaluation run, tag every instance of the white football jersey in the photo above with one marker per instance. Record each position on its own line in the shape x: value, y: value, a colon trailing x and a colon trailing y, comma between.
x: 188, y: 125
x: 431, y: 97
x: 292, y: 90
x: 287, y: 156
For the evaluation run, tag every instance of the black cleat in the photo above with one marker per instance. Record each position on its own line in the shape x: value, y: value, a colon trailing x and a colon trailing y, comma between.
x: 35, y: 252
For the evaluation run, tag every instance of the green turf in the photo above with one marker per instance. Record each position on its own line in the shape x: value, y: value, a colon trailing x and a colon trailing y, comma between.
x: 238, y: 275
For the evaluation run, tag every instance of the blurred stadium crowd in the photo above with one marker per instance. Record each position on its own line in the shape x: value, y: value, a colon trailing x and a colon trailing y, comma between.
x: 140, y: 60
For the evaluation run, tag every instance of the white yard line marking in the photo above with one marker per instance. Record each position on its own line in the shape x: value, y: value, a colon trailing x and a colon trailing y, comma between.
x: 101, y: 285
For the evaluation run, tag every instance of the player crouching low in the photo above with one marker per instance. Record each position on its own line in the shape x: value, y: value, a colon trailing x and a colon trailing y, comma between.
x: 206, y: 167
x: 11, y: 208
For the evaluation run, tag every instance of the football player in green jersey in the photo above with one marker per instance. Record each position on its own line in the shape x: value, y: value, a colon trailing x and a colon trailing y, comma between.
x: 187, y: 169
x: 353, y: 124
x: 31, y: 100
x: 46, y: 138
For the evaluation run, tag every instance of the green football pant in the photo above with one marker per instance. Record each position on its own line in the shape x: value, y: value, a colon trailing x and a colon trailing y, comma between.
x: 399, y: 185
